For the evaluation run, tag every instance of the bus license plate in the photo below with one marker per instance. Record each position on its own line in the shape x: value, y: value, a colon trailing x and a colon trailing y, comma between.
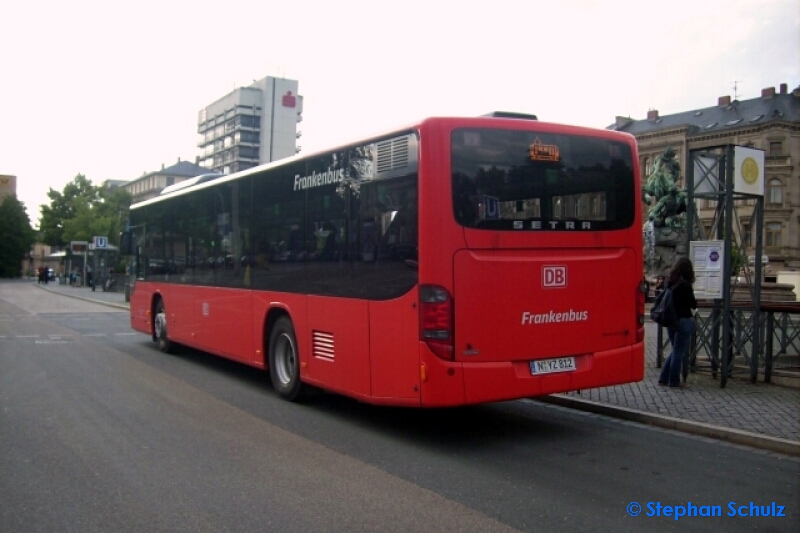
x: 548, y: 366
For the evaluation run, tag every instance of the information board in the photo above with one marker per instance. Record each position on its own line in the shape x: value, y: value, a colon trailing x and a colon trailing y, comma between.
x: 708, y: 258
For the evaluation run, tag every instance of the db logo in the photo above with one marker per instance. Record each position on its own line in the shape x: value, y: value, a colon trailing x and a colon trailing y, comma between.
x: 554, y: 276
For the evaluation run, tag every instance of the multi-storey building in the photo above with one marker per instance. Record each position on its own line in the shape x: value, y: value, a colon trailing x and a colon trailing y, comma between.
x: 8, y: 186
x: 151, y: 184
x: 770, y: 123
x: 250, y: 126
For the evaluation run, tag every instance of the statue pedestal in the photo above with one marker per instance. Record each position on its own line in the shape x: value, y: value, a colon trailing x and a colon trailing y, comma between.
x: 770, y: 292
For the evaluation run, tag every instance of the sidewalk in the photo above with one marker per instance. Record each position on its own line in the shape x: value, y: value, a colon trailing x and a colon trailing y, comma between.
x: 111, y: 299
x: 757, y: 414
x: 754, y: 414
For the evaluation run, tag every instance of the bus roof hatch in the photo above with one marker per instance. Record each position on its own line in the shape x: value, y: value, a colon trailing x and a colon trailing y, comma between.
x: 510, y: 114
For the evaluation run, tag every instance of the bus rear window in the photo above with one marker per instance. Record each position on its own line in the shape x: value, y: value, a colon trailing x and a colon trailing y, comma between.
x: 522, y: 180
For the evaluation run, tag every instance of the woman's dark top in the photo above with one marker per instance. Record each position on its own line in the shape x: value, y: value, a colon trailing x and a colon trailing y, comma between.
x: 684, y: 300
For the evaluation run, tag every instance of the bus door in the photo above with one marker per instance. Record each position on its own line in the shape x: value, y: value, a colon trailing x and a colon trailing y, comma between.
x: 394, y: 347
x: 390, y: 237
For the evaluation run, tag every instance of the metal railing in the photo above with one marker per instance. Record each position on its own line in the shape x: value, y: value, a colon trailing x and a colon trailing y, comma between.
x: 778, y: 331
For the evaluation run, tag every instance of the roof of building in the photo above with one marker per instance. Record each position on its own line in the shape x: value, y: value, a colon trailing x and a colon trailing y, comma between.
x: 727, y: 114
x: 113, y: 184
x: 183, y: 169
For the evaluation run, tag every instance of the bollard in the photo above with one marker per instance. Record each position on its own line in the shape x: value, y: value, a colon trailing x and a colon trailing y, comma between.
x: 127, y: 292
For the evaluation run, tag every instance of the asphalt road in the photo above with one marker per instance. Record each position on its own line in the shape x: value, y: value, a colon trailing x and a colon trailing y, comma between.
x: 101, y: 432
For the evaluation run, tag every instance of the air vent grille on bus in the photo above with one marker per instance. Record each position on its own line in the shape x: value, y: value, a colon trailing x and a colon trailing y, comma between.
x: 322, y: 345
x: 392, y: 154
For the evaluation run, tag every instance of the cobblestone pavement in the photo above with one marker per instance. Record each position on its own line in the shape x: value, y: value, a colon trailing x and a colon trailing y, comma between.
x: 756, y: 408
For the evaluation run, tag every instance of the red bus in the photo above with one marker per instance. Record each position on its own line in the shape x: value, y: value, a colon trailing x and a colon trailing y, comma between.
x: 455, y: 261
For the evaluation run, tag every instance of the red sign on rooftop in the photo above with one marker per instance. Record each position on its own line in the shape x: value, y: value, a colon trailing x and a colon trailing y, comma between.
x: 289, y: 100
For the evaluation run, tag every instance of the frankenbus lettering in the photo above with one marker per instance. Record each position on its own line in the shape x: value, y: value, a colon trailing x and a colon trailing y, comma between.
x: 318, y: 180
x: 553, y: 317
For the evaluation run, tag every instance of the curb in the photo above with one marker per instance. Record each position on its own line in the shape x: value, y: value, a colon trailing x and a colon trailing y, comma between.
x: 735, y: 436
x: 92, y: 300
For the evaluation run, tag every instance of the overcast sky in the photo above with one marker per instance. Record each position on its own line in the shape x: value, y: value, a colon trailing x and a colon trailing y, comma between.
x: 112, y: 90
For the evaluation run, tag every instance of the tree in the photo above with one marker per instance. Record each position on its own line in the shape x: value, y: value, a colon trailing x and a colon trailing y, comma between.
x: 84, y: 211
x: 16, y: 236
x: 115, y: 207
x: 63, y: 207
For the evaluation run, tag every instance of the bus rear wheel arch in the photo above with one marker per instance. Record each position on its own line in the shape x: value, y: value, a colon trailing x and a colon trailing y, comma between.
x: 284, y: 361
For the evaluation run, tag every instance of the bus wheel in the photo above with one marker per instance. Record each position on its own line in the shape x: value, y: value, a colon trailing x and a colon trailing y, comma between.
x: 160, y: 329
x: 284, y: 361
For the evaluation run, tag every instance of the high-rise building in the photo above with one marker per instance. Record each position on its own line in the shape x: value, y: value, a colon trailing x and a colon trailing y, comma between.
x: 769, y: 123
x: 8, y: 186
x: 250, y: 126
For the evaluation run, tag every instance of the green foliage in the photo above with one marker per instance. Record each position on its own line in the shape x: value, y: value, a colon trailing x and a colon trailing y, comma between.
x: 16, y: 236
x: 114, y: 207
x: 83, y: 211
x: 63, y: 207
x: 738, y: 260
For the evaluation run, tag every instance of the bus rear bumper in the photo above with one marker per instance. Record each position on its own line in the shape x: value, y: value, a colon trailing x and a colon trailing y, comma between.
x: 489, y: 382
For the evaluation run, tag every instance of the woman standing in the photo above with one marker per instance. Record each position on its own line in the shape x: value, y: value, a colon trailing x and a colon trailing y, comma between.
x: 679, y: 279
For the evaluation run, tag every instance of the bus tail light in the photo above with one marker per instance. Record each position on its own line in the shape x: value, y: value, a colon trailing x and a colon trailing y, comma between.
x: 641, y: 296
x: 436, y: 320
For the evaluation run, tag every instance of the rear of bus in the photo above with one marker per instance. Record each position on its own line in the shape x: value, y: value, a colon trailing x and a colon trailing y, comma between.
x: 530, y: 260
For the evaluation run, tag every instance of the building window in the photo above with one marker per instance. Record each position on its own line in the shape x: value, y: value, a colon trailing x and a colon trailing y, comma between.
x: 773, y: 234
x: 775, y: 148
x: 249, y: 121
x: 775, y: 192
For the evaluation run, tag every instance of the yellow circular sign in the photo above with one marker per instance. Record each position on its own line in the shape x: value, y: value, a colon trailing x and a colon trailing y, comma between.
x: 750, y: 170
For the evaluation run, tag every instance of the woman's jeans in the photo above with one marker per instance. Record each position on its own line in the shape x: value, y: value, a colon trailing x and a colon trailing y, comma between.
x: 679, y: 337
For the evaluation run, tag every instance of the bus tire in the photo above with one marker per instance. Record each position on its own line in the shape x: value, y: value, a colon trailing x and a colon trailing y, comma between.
x: 284, y: 361
x: 160, y: 329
